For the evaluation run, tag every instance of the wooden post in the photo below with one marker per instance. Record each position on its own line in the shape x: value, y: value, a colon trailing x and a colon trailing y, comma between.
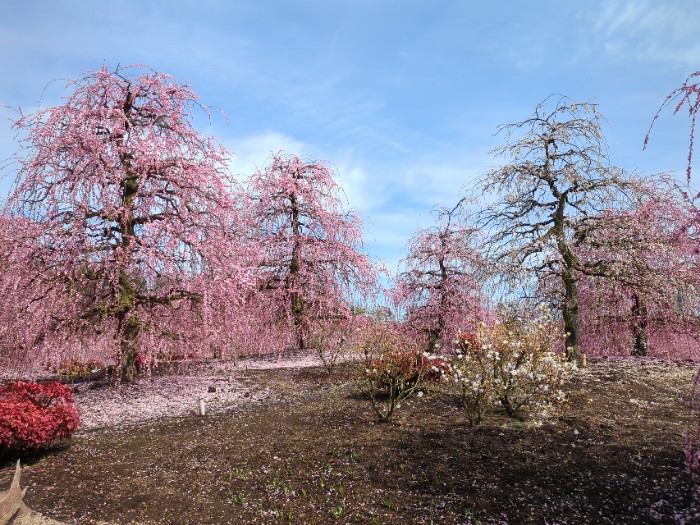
x: 202, y: 408
x: 584, y: 361
x: 11, y: 501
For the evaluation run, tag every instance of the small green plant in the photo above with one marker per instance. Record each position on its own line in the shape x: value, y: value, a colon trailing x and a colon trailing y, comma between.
x: 238, y: 499
x: 339, y: 511
x: 278, y: 484
x: 240, y: 473
x: 389, y: 503
x: 469, y: 513
x: 354, y: 456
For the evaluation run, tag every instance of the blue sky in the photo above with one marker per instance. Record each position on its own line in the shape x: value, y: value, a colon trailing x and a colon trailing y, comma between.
x: 403, y: 97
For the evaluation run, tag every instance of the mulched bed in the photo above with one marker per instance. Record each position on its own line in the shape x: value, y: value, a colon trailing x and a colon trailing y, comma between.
x: 311, y: 452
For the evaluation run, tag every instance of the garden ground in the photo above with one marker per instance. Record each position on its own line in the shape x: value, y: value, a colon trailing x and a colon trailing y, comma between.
x: 294, y: 445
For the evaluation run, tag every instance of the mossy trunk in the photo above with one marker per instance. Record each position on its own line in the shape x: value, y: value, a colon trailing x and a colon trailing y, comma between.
x: 128, y: 332
x: 298, y: 305
x: 128, y: 323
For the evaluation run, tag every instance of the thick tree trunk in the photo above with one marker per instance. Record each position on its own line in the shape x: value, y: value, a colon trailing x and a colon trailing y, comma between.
x: 127, y: 325
x: 298, y: 315
x: 639, y: 325
x: 128, y: 331
x: 297, y: 299
x: 570, y: 316
x: 127, y: 320
x: 435, y: 334
x: 433, y: 338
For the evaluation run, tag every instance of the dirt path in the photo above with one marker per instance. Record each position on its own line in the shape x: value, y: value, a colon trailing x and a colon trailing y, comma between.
x: 312, y: 453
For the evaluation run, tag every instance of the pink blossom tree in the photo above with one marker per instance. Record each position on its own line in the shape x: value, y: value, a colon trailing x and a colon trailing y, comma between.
x: 440, y: 281
x: 688, y: 96
x: 646, y: 300
x: 137, y: 218
x: 311, y: 266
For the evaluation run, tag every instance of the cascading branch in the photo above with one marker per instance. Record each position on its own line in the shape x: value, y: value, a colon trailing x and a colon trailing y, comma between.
x: 687, y: 96
x: 136, y: 215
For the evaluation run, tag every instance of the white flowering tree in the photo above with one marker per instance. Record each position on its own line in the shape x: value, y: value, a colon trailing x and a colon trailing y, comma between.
x: 556, y: 176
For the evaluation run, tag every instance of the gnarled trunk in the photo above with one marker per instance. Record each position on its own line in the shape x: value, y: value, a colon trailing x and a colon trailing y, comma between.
x: 128, y: 325
x: 128, y: 328
x: 570, y: 316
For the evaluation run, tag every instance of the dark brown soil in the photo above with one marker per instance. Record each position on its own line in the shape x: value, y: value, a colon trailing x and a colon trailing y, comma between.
x: 316, y: 455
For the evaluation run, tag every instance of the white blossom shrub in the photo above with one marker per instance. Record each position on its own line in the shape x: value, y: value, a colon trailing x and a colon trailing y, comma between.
x: 512, y: 363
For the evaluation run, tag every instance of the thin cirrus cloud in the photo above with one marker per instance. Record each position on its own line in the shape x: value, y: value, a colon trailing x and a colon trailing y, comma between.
x: 403, y: 97
x: 251, y: 152
x: 652, y: 31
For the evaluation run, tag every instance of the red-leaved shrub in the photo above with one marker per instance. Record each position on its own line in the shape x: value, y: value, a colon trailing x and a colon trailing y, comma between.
x: 35, y: 414
x: 394, y: 368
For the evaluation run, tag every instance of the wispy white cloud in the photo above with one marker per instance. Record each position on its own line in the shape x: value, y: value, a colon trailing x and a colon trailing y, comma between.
x: 362, y: 193
x: 652, y: 31
x: 402, y: 98
x: 251, y: 152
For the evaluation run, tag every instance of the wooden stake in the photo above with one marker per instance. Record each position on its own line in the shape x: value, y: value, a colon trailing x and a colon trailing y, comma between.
x: 202, y: 409
x: 11, y: 502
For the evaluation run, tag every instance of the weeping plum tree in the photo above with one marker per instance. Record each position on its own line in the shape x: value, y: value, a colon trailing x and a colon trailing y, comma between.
x: 137, y: 218
x: 440, y: 280
x: 311, y: 247
x: 557, y: 174
x: 689, y: 94
x: 651, y: 280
